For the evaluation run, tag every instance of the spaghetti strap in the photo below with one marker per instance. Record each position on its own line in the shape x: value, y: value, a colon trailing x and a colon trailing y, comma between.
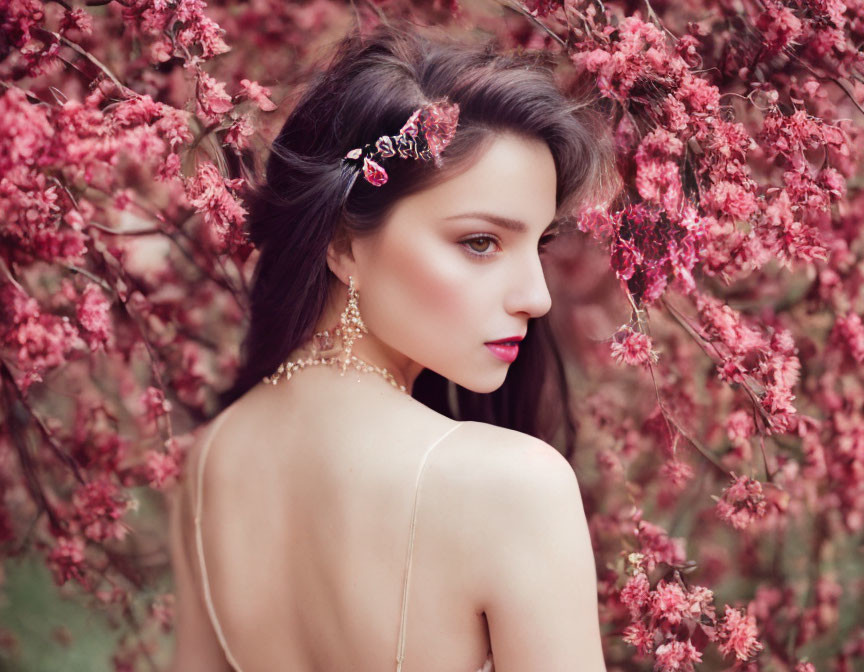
x: 400, y: 650
x: 199, y: 543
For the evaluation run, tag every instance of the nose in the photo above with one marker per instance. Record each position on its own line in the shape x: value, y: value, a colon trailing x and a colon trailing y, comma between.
x: 528, y: 292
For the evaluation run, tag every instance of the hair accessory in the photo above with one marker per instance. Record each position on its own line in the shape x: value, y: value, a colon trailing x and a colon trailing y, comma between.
x: 427, y: 132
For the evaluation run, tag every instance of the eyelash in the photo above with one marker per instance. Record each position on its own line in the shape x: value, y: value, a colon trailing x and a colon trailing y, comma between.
x: 544, y: 241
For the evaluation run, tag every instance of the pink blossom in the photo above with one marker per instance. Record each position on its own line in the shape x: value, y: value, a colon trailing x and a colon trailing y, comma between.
x: 742, y: 502
x: 657, y: 546
x: 93, y: 314
x: 209, y: 195
x: 849, y: 331
x: 238, y: 132
x: 668, y: 601
x: 739, y: 425
x: 40, y: 341
x: 163, y: 611
x: 632, y: 347
x: 676, y: 656
x: 66, y: 560
x: 639, y: 636
x: 732, y: 199
x: 160, y: 468
x: 659, y: 182
x: 737, y: 634
x: 211, y: 101
x: 98, y: 507
x: 779, y: 26
x: 77, y: 19
x: 634, y: 594
x: 257, y: 93
x: 155, y: 404
x: 676, y: 473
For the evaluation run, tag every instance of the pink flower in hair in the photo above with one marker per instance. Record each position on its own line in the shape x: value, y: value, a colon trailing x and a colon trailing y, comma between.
x: 439, y: 127
x: 374, y: 173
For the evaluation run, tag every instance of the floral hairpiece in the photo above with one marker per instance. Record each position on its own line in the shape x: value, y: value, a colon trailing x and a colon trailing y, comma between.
x: 427, y: 132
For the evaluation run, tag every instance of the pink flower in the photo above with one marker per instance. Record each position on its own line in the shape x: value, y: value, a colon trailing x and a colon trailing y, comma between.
x: 639, y: 636
x: 659, y: 182
x: 739, y: 425
x: 92, y: 311
x: 732, y: 199
x: 39, y: 341
x: 668, y: 601
x: 634, y: 594
x: 155, y: 404
x: 238, y: 132
x: 77, y: 19
x: 657, y: 546
x: 676, y: 473
x: 737, y: 634
x: 162, y: 611
x: 98, y: 507
x: 135, y: 111
x: 160, y: 468
x: 632, y: 347
x: 257, y: 93
x: 849, y: 331
x: 66, y: 560
x: 208, y: 194
x: 211, y: 100
x: 742, y: 502
x: 779, y: 26
x: 374, y: 173
x: 676, y: 656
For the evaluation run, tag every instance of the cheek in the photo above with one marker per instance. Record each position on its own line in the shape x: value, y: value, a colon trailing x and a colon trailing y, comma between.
x: 423, y: 292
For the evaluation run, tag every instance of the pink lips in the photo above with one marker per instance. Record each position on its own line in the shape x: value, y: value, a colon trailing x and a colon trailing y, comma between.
x: 505, y: 349
x: 506, y: 352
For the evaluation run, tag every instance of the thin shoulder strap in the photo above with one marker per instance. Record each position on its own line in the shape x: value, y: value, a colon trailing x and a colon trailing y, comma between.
x: 199, y: 497
x: 406, y: 581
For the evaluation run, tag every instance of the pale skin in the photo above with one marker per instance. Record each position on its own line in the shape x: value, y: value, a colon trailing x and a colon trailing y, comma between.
x: 308, y: 484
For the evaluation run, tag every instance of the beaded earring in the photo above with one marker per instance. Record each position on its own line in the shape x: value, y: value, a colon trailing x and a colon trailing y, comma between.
x: 350, y: 323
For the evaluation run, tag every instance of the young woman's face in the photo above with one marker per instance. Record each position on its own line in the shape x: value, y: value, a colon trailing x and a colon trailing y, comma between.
x: 457, y: 265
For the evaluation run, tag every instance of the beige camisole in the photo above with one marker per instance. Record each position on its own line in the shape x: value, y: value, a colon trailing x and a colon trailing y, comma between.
x: 488, y: 665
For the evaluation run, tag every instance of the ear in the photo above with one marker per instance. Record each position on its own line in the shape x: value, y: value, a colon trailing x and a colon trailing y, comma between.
x: 340, y: 256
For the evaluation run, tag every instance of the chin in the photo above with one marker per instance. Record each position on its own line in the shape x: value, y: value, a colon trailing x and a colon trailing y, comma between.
x: 483, y: 385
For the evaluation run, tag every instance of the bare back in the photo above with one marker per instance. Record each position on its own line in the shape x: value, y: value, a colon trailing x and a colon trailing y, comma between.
x: 305, y: 526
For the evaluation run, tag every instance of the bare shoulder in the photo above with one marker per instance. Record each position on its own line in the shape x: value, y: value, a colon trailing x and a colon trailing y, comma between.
x: 530, y: 553
x: 514, y: 463
x: 519, y: 493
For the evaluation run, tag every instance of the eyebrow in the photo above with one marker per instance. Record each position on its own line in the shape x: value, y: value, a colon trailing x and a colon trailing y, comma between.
x: 504, y: 222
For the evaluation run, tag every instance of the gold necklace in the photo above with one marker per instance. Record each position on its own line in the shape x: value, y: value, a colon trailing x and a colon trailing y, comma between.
x: 322, y: 344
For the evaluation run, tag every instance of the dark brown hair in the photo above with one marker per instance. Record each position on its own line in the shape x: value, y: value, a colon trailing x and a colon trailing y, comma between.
x: 370, y: 87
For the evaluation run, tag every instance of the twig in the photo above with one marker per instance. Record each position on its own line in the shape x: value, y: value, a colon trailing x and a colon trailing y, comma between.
x: 86, y: 54
x: 519, y: 9
x: 56, y: 448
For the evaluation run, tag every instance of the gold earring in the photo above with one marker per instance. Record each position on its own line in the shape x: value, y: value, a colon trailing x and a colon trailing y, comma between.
x: 350, y: 323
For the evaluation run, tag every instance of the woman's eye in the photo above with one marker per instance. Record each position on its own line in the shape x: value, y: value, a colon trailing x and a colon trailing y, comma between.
x: 480, y: 246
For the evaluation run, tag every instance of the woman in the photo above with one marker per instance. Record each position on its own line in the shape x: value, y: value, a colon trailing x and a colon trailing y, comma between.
x: 392, y: 503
